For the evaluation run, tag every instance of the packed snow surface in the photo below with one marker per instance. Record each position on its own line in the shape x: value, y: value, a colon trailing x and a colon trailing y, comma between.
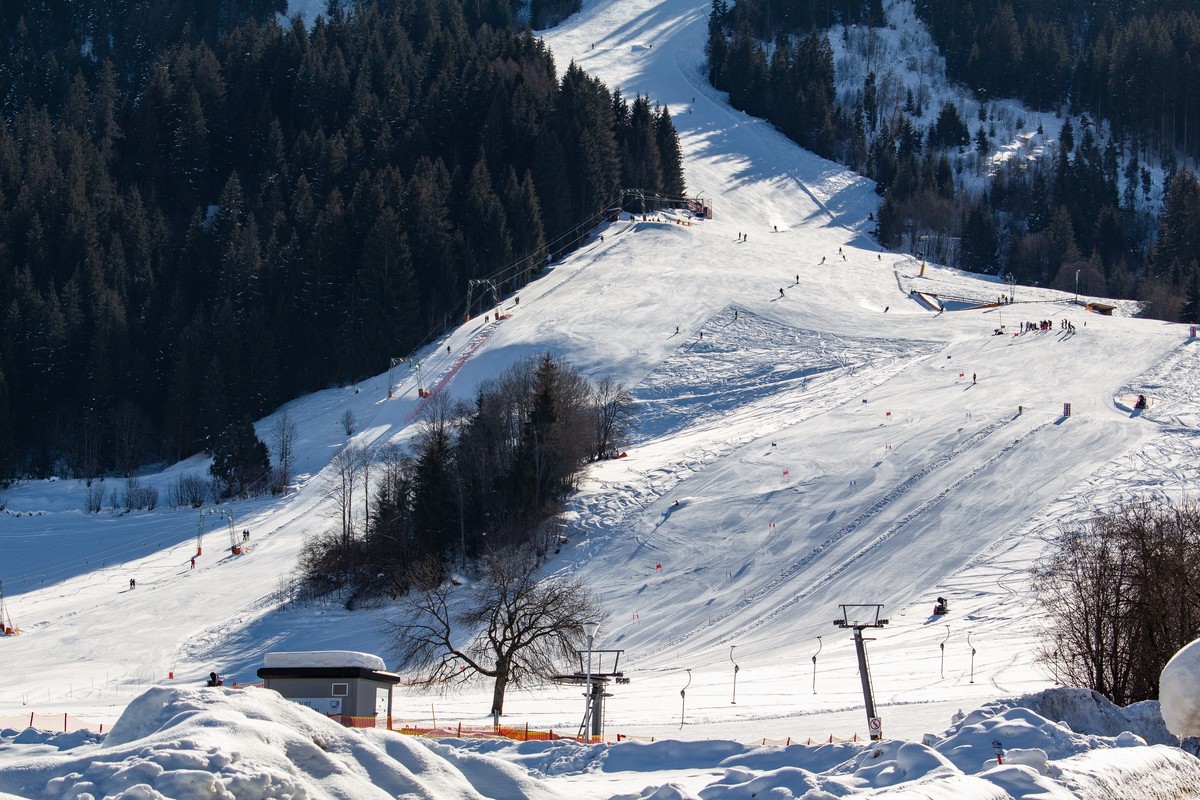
x: 811, y: 434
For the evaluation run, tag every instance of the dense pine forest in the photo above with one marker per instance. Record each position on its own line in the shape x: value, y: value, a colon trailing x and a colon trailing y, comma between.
x: 204, y: 212
x: 1121, y: 75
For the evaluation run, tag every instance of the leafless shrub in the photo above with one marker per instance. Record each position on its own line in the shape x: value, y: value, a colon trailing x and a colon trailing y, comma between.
x: 137, y: 497
x: 190, y: 490
x: 94, y: 500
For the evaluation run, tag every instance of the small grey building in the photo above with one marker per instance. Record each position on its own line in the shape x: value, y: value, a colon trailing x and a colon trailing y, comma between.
x: 353, y: 688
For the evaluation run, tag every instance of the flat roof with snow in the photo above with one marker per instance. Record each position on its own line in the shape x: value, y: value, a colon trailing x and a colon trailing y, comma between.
x: 323, y: 658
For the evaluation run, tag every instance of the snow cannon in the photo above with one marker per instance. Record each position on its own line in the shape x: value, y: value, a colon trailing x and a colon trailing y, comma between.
x: 1179, y: 691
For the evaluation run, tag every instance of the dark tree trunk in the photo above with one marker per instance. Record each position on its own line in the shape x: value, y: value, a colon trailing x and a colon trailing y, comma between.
x: 498, y: 690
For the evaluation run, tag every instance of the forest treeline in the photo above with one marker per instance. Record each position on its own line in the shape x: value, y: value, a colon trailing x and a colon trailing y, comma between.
x: 1077, y: 218
x: 202, y: 215
x: 1132, y: 64
x: 488, y: 475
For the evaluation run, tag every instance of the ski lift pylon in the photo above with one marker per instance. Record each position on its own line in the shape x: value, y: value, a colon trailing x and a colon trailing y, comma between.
x: 6, y: 624
x: 223, y: 513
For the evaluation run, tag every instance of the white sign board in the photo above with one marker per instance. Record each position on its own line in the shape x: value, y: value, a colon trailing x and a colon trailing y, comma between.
x: 326, y: 705
x: 875, y: 726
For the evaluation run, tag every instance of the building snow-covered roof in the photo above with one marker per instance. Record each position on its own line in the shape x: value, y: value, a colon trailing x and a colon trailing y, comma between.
x: 323, y: 658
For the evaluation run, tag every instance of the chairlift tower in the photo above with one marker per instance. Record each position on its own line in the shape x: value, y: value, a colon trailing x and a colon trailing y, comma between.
x: 392, y: 376
x: 595, y: 682
x: 422, y: 392
x: 859, y: 618
x: 220, y: 513
x: 7, y: 628
x: 482, y: 283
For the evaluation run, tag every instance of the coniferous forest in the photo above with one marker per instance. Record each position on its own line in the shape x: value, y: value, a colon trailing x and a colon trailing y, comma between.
x: 1122, y: 75
x: 204, y: 212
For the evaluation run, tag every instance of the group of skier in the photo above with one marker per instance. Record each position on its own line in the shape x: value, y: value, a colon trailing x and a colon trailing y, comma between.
x: 1046, y: 325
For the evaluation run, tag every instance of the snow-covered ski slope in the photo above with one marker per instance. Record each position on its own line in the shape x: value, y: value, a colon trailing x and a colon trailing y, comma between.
x: 836, y: 442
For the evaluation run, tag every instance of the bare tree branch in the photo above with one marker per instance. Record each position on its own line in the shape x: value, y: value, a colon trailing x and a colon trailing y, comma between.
x: 518, y: 629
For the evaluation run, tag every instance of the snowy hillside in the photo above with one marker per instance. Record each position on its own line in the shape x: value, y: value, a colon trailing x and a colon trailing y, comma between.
x: 810, y: 434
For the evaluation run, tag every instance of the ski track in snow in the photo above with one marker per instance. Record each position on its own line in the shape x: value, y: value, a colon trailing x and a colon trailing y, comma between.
x: 896, y: 527
x: 855, y: 524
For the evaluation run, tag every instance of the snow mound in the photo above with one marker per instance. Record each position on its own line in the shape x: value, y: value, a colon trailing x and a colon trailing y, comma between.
x: 1089, y: 712
x: 324, y: 658
x: 668, y: 791
x: 250, y: 744
x: 970, y: 745
x: 50, y: 740
x: 1041, y: 758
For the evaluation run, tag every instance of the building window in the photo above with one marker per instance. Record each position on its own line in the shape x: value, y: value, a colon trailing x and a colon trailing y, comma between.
x: 341, y: 689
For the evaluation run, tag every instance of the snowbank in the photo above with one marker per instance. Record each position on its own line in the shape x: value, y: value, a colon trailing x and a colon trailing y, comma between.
x: 1085, y: 711
x: 250, y: 744
x: 1041, y: 758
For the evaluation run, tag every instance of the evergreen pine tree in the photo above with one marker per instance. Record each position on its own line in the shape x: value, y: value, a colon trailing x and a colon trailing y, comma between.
x: 1190, y: 312
x: 717, y: 46
x: 670, y: 155
x: 241, y: 461
x: 435, y: 517
x: 979, y: 240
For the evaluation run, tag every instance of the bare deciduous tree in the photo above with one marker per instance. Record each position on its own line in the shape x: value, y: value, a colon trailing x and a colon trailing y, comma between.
x: 1123, y: 595
x: 366, y: 460
x: 349, y: 422
x: 613, y: 407
x: 508, y: 625
x: 283, y: 442
x: 346, y: 466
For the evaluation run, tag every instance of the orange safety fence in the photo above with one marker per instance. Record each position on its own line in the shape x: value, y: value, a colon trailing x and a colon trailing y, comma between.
x: 66, y: 723
x: 525, y: 734
x: 351, y: 721
x: 60, y: 723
